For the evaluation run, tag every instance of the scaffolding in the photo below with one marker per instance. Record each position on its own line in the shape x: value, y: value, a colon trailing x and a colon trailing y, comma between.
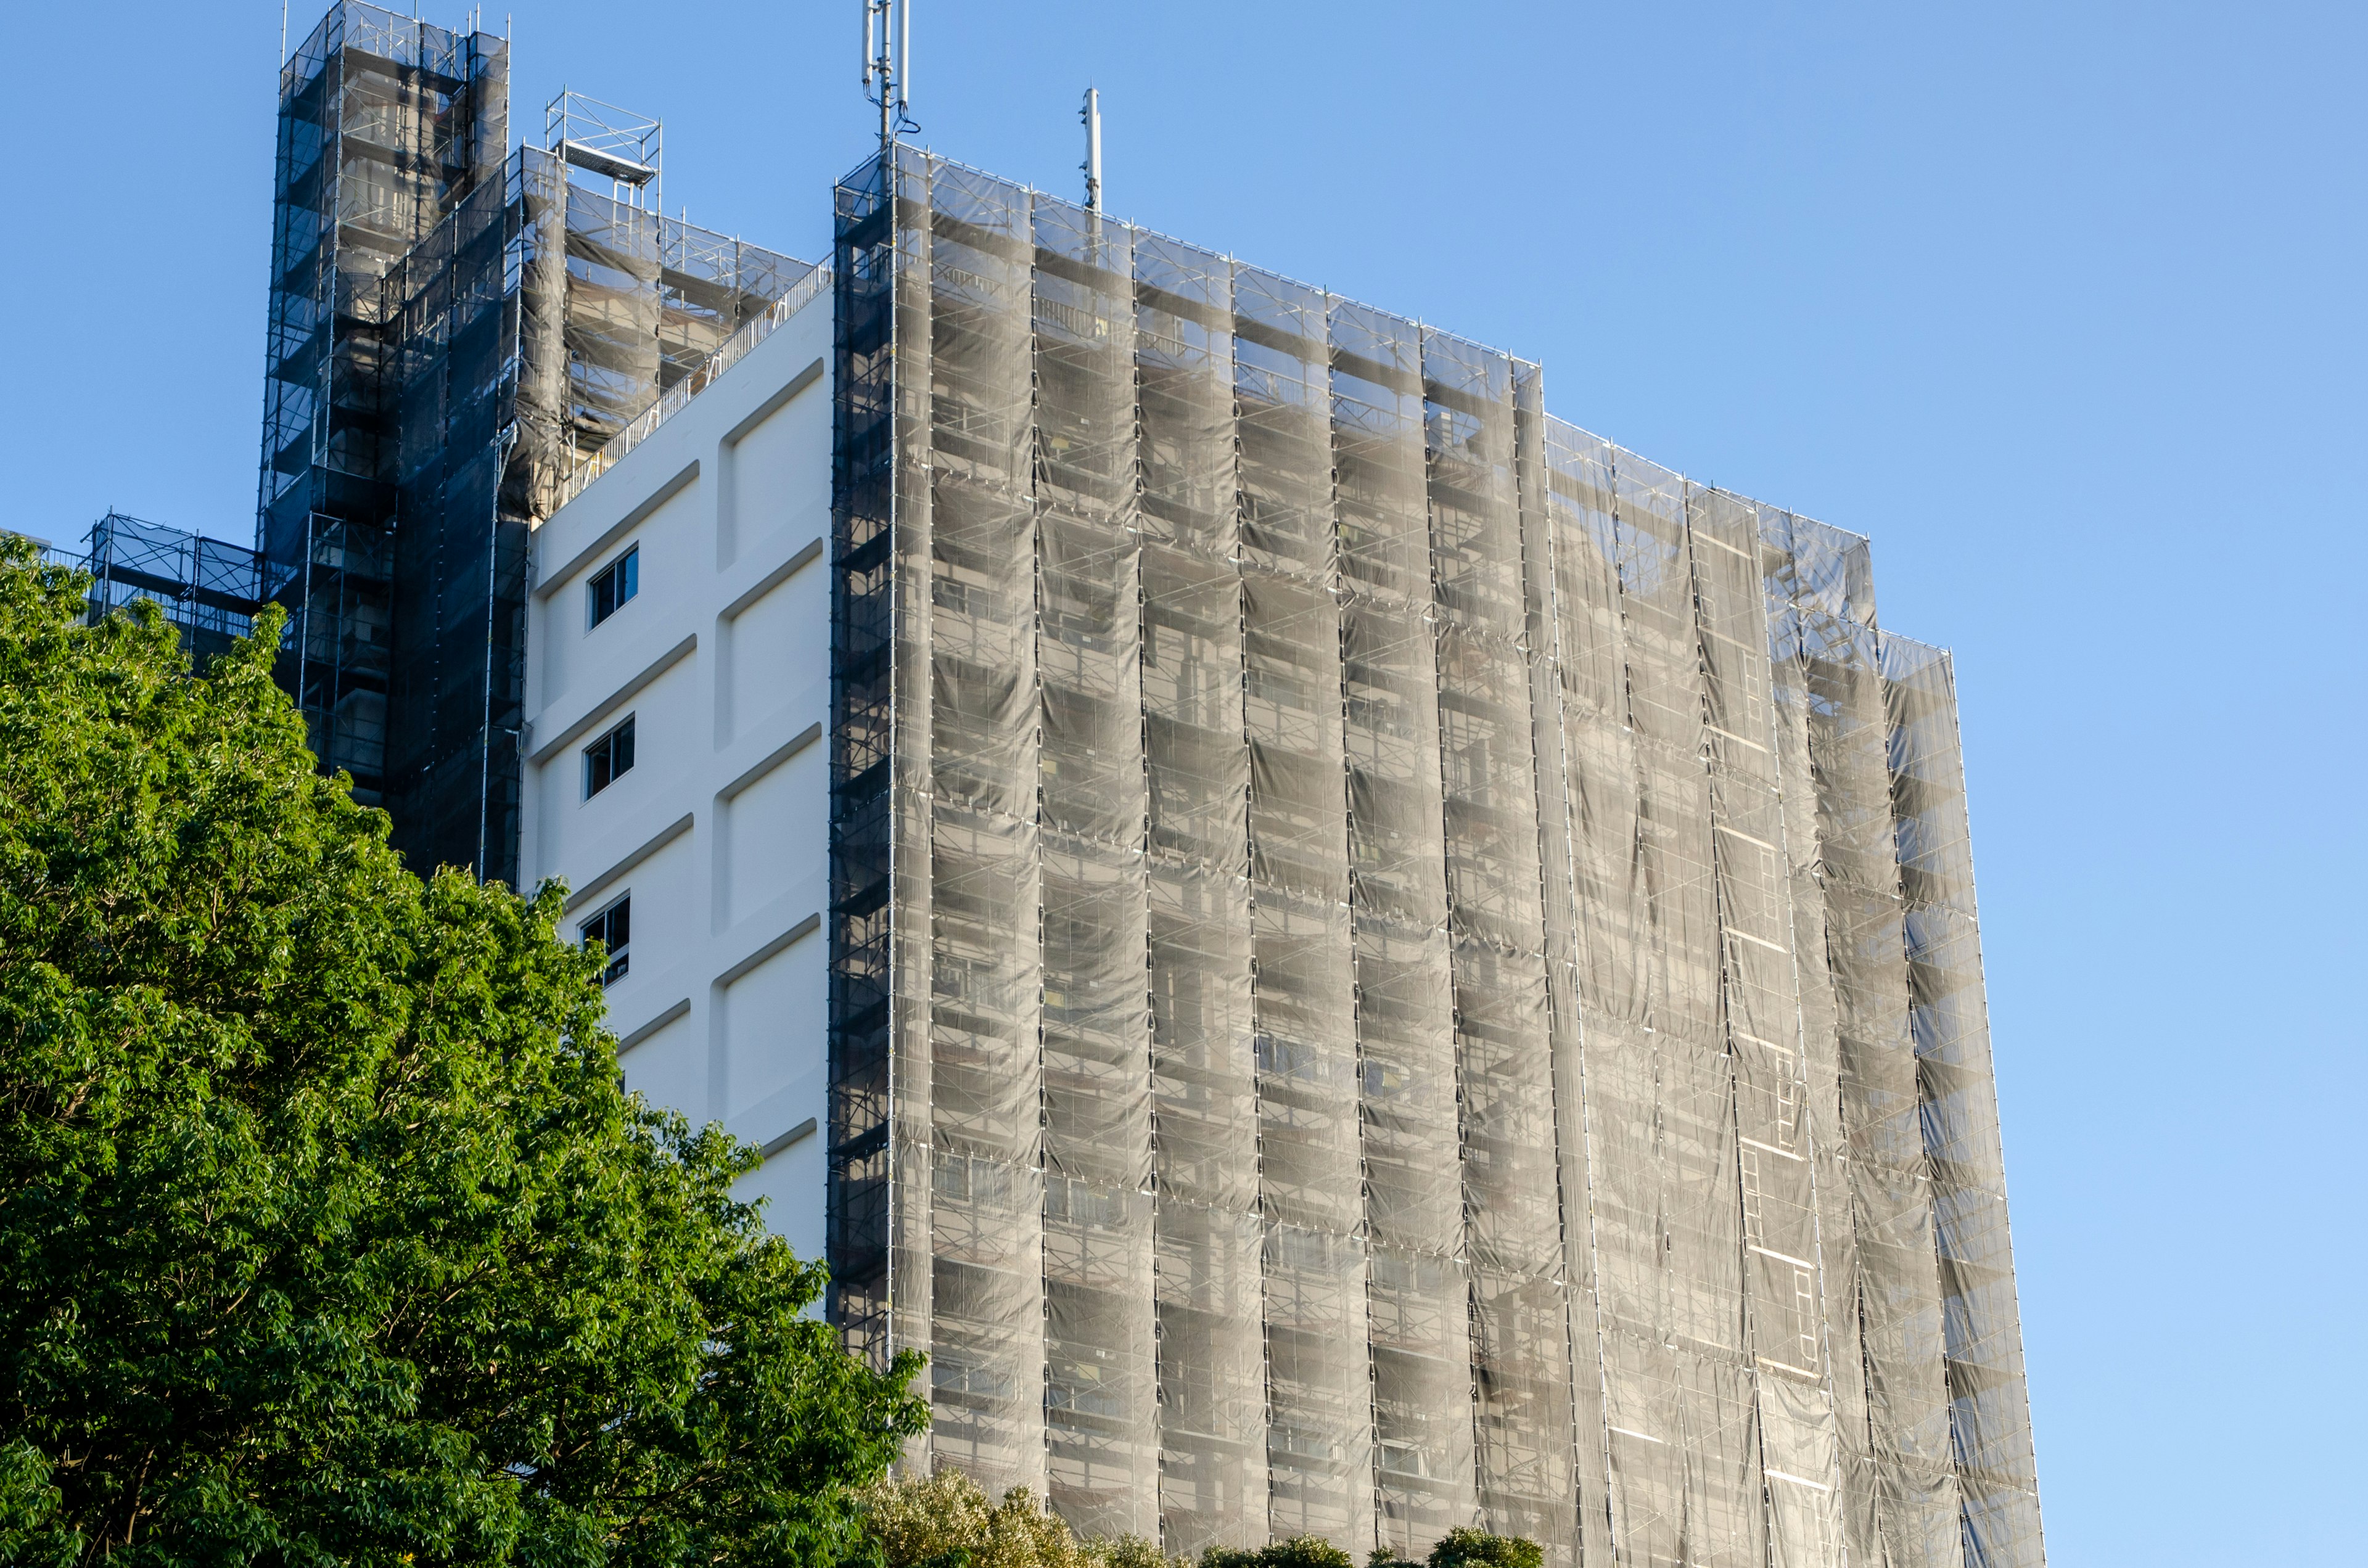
x: 386, y: 126
x: 456, y: 329
x: 612, y: 144
x: 207, y: 587
x: 1393, y: 965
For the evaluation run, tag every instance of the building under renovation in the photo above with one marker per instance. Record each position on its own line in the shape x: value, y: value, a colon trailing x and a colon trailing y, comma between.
x: 455, y: 325
x: 1393, y: 963
x: 1346, y: 957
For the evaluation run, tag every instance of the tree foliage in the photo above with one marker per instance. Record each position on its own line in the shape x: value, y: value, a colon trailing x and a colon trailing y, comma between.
x: 327, y: 1233
x: 1293, y: 1551
x: 1467, y: 1548
x: 946, y: 1520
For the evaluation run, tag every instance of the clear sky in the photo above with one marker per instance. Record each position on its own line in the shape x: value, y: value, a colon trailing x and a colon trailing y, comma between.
x: 2061, y: 303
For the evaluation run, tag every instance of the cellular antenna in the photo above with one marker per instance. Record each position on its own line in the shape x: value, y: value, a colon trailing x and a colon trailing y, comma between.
x: 888, y: 63
x: 1091, y: 114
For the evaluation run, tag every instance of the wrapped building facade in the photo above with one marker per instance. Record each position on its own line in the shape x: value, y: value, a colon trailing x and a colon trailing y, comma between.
x: 1393, y: 965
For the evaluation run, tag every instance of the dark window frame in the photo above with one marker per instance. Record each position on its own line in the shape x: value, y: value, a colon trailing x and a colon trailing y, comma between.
x: 609, y: 757
x: 612, y: 927
x: 613, y: 587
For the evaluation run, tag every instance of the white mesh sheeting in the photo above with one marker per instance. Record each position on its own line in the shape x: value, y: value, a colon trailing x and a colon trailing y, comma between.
x: 1442, y: 988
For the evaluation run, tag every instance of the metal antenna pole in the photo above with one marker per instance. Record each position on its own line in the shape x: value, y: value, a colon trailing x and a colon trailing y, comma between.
x: 1092, y: 116
x: 887, y: 48
x: 887, y: 78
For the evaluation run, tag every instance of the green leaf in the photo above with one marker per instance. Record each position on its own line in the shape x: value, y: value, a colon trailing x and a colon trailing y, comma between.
x: 327, y: 1233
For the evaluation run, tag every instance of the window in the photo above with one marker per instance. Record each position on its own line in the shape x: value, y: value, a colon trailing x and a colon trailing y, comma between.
x: 1079, y: 1386
x: 616, y: 582
x: 968, y: 1377
x: 965, y: 1178
x: 607, y: 758
x: 1073, y: 1202
x: 613, y: 929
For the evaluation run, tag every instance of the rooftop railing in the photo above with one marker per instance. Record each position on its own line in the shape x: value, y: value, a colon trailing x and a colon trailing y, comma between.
x: 592, y: 465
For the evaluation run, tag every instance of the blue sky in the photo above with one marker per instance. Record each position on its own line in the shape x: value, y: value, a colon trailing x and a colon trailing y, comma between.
x: 2060, y: 303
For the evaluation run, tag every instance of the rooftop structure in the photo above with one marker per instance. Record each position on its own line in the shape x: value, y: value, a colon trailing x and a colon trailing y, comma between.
x: 207, y: 587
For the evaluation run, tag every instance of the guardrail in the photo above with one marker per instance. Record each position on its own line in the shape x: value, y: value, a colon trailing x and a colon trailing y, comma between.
x: 735, y: 348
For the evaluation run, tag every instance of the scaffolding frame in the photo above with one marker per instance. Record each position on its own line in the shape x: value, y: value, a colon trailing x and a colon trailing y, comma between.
x: 1330, y: 860
x: 386, y: 126
x: 456, y: 329
x: 612, y: 144
x: 209, y: 587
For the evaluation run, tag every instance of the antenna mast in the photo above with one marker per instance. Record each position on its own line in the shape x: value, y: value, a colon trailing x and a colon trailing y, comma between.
x: 1091, y: 114
x: 888, y: 63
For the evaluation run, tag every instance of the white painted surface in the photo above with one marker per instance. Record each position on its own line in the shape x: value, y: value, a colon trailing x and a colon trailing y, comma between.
x: 769, y: 1085
x: 773, y: 836
x: 733, y: 660
x: 763, y: 649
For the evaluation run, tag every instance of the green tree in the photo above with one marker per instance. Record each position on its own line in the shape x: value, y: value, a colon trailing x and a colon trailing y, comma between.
x: 946, y: 1520
x: 1468, y: 1548
x: 327, y: 1232
x: 1295, y: 1551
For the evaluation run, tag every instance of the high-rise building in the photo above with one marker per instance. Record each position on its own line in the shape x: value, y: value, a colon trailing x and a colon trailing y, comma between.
x: 1346, y: 957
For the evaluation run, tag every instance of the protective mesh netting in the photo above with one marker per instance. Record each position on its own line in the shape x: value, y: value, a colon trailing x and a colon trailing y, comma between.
x: 1394, y: 964
x: 455, y: 325
x: 388, y: 128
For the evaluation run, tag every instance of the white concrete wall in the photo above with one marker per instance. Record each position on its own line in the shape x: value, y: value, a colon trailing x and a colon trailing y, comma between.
x: 719, y: 833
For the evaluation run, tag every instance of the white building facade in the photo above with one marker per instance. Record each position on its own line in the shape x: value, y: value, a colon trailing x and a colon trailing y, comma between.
x: 678, y: 623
